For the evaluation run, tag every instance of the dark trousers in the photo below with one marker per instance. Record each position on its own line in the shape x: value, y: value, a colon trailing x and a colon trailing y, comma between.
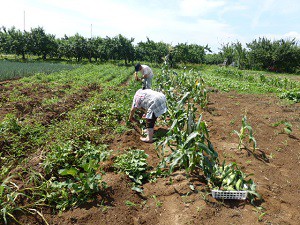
x: 151, y: 122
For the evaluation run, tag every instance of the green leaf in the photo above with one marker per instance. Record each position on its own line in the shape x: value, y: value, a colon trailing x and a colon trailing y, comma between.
x: 184, y: 98
x: 72, y: 171
x: 191, y: 137
x: 137, y: 189
x: 1, y: 190
x: 287, y: 130
x: 210, y: 152
x: 254, y: 193
x: 199, y: 123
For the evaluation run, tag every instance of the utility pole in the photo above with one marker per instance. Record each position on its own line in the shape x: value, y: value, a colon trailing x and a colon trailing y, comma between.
x: 91, y: 30
x: 90, y: 59
x: 24, y: 21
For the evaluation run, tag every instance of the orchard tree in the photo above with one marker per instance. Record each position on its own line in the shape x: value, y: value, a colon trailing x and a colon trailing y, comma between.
x: 240, y: 55
x: 227, y: 53
x: 42, y: 44
x: 189, y: 53
x: 151, y: 51
x: 78, y: 46
x: 91, y: 49
x: 261, y: 54
x: 17, y: 42
x: 213, y: 59
x: 63, y: 49
x: 286, y: 55
x: 4, y: 47
x: 278, y: 56
x: 125, y: 48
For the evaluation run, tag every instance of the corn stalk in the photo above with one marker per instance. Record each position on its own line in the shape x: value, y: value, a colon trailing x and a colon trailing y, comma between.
x: 246, y: 130
x: 187, y: 138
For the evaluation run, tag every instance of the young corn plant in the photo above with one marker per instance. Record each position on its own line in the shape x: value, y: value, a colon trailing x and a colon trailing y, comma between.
x: 188, y: 140
x: 245, y: 131
x: 10, y: 197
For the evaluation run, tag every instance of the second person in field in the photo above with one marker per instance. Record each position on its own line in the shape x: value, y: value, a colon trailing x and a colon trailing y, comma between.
x: 147, y: 75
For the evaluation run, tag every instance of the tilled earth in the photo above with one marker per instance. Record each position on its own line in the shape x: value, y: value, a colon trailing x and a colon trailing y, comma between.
x: 274, y: 165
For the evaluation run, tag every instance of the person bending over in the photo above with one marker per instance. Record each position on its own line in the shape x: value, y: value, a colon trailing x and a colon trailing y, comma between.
x: 154, y: 104
x: 147, y: 75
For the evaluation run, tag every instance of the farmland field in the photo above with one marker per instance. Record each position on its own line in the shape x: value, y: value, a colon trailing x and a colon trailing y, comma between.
x: 63, y: 133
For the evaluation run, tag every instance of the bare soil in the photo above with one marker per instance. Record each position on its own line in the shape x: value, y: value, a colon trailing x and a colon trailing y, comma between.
x: 275, y: 167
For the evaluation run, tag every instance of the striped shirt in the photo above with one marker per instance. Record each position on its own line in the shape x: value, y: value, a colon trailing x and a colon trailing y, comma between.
x: 151, y: 101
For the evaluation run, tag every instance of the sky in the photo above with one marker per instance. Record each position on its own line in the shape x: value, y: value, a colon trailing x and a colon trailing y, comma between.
x: 203, y: 22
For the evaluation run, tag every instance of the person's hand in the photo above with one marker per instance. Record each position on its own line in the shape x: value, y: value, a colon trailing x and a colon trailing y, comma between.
x: 136, y: 76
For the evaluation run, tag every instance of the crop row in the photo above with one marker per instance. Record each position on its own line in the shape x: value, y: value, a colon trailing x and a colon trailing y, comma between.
x: 58, y: 162
x: 11, y: 70
x: 233, y: 79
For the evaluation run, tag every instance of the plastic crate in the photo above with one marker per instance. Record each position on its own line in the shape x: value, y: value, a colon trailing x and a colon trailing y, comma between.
x: 239, y: 195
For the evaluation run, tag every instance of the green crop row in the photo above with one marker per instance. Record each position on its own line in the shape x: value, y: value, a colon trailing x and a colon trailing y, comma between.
x: 227, y: 79
x: 11, y: 70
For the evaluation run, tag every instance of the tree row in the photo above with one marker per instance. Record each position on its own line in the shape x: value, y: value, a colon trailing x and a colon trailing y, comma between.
x: 262, y: 54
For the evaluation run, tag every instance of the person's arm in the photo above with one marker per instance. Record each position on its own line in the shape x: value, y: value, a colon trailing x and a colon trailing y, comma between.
x: 136, y: 77
x: 145, y: 76
x: 131, y: 118
x: 146, y: 73
x: 142, y: 77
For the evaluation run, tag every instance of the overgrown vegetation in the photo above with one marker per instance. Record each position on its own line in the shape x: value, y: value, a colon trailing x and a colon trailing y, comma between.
x: 134, y: 164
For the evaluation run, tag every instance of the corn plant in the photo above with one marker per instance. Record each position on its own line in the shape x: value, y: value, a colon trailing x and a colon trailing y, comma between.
x: 10, y: 197
x: 231, y: 178
x: 176, y: 86
x: 246, y: 130
x: 188, y: 140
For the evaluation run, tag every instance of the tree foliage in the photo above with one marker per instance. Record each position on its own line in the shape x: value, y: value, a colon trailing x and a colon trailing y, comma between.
x: 279, y: 55
x: 264, y: 54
